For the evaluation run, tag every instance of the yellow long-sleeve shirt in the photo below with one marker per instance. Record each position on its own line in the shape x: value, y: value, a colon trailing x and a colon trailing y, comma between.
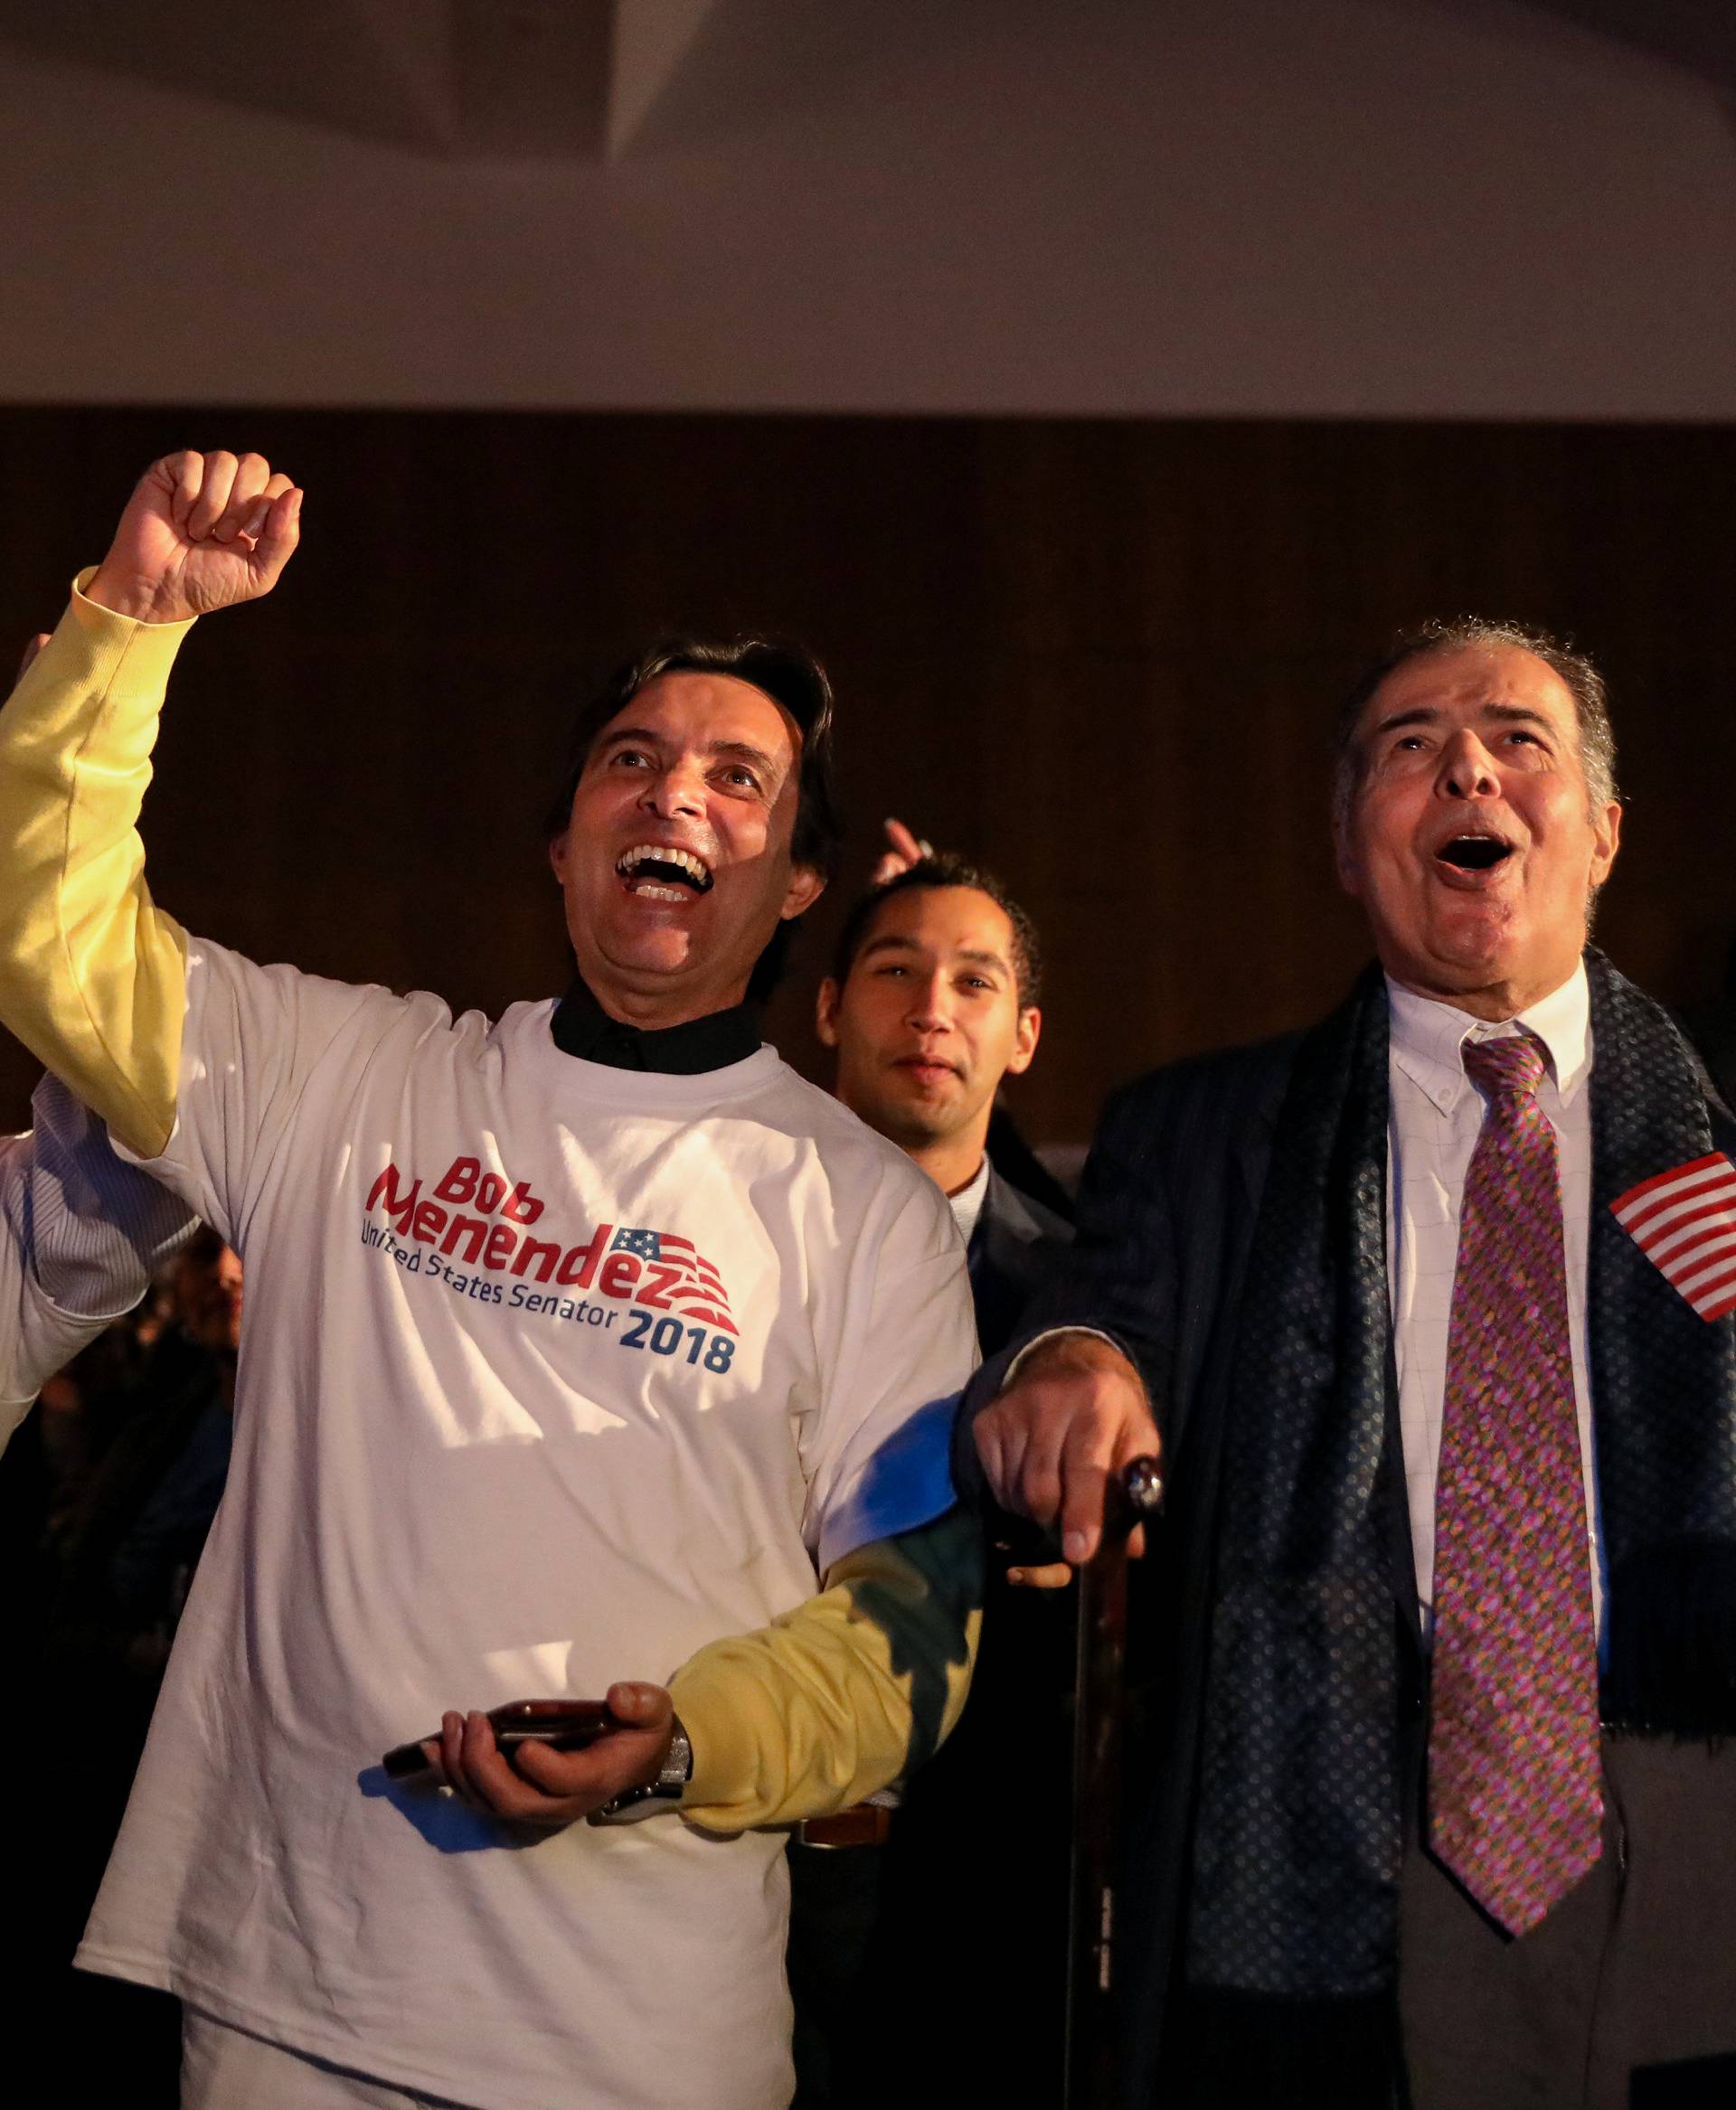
x: 835, y: 1699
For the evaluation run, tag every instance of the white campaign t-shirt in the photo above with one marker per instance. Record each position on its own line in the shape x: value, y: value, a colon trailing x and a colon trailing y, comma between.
x: 550, y: 1373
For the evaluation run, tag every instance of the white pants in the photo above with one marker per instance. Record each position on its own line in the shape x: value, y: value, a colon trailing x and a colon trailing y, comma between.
x: 224, y: 2068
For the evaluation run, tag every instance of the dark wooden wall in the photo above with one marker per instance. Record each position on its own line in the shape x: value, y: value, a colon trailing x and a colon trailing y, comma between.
x: 1099, y: 656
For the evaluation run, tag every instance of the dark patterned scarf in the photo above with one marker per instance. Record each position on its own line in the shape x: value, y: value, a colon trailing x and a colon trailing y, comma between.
x: 1298, y: 1840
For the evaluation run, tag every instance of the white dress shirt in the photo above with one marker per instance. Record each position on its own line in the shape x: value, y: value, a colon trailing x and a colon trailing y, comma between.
x: 1434, y: 1117
x: 966, y: 1204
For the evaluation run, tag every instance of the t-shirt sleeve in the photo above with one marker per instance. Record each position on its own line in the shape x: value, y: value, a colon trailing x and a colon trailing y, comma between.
x: 903, y: 1346
x: 254, y: 1039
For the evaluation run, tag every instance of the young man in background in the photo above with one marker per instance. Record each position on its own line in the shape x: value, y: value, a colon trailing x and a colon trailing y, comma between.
x: 934, y: 999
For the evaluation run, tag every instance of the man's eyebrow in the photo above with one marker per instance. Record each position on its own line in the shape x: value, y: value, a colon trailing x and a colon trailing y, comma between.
x: 896, y: 941
x: 745, y: 751
x: 1431, y: 714
x: 1419, y: 714
x: 1519, y: 714
x: 741, y: 750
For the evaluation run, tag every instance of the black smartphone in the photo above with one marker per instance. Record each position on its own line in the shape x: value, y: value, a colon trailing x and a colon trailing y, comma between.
x: 568, y: 1725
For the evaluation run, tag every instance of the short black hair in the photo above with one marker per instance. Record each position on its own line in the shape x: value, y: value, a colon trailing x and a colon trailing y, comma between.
x: 945, y: 871
x: 794, y: 679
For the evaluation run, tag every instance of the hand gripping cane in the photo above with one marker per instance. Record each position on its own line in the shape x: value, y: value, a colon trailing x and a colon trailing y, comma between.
x: 1129, y: 1496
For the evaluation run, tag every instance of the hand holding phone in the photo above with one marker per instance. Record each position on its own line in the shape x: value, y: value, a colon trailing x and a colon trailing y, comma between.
x: 574, y: 1758
x: 564, y: 1725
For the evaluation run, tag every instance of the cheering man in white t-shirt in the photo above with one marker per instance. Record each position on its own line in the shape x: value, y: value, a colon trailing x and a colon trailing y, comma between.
x: 578, y: 1346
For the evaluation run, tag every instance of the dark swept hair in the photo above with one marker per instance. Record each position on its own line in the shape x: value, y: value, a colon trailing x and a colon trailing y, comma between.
x: 786, y: 672
x: 945, y: 871
x: 793, y: 678
x: 1473, y: 633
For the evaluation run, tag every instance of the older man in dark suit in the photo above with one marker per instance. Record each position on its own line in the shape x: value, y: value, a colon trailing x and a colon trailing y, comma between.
x: 1432, y: 1305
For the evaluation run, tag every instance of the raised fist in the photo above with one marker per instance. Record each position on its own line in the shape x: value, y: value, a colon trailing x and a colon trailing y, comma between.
x: 200, y: 532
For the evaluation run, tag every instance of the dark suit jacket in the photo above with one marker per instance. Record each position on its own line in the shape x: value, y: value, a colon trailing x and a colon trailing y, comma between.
x: 1166, y: 1216
x: 1015, y: 1246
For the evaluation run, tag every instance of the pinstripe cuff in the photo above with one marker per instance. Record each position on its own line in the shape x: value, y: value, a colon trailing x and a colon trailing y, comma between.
x: 98, y: 1229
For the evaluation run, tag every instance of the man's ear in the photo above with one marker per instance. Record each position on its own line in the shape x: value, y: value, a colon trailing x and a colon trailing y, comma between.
x: 558, y: 856
x: 1025, y: 1041
x: 826, y: 1012
x: 806, y: 887
x: 1606, y: 840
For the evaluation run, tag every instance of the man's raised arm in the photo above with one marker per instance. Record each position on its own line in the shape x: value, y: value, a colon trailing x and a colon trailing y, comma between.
x: 92, y: 976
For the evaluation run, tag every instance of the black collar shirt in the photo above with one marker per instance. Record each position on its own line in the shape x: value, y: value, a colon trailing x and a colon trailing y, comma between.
x: 581, y: 1027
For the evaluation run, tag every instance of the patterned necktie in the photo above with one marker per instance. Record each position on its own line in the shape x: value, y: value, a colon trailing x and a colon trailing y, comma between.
x: 1515, y: 1801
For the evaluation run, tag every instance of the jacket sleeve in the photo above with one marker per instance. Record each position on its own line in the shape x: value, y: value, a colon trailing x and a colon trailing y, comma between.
x: 92, y: 974
x: 1118, y: 1279
x: 847, y: 1693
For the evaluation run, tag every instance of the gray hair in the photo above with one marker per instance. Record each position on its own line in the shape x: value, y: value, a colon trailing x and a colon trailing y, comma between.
x: 1472, y: 633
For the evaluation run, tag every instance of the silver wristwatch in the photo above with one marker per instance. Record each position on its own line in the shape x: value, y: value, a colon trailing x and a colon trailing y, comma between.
x: 654, y: 1795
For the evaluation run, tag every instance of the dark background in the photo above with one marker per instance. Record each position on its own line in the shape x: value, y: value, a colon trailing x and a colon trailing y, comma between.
x: 1100, y: 655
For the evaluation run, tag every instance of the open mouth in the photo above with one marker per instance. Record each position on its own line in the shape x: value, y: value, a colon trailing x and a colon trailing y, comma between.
x: 1474, y: 852
x: 663, y: 872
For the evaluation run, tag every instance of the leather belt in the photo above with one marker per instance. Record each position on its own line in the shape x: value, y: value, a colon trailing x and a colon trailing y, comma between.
x: 863, y: 1824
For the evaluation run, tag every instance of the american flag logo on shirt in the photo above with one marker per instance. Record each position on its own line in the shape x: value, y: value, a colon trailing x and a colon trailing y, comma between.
x: 688, y: 1282
x: 1685, y: 1222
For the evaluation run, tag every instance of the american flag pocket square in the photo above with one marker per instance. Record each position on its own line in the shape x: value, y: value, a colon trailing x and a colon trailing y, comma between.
x: 1685, y: 1222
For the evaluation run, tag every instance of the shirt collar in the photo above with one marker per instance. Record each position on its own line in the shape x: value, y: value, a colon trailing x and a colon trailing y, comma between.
x: 581, y: 1027
x: 1428, y: 1038
x: 966, y: 1204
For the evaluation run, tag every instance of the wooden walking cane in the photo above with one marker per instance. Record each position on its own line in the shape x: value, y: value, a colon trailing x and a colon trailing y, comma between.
x: 1132, y: 1495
